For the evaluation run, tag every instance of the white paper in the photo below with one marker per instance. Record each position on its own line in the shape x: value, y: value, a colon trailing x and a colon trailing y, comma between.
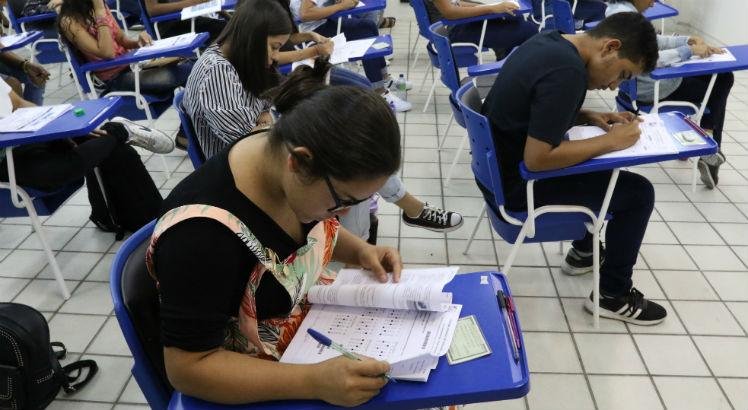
x: 418, y: 289
x: 714, y: 58
x: 344, y: 50
x: 411, y: 341
x: 7, y: 41
x: 654, y: 139
x: 201, y: 9
x: 32, y: 119
x: 166, y: 43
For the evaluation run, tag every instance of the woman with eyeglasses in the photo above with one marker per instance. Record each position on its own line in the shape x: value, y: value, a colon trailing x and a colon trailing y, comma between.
x: 244, y: 237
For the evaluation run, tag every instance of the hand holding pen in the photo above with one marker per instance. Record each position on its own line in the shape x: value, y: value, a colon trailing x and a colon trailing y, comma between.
x: 348, y: 380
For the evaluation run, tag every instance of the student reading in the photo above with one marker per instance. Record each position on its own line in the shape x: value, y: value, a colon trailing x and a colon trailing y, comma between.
x: 245, y: 236
x: 536, y: 98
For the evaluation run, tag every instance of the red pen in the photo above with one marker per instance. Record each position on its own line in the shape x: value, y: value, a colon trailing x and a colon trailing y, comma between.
x: 513, y: 318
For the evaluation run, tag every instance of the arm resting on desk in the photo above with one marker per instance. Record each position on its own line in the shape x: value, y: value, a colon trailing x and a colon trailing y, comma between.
x: 452, y: 12
x: 155, y: 8
x: 227, y: 377
x: 311, y: 12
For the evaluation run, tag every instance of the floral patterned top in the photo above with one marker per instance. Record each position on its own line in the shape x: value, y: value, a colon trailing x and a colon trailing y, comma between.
x: 303, y: 268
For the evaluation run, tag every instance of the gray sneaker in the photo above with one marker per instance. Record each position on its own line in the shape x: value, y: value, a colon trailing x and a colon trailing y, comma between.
x: 153, y: 140
x: 709, y: 168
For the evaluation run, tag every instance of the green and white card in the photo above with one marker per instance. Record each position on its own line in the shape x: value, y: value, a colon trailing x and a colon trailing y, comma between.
x: 468, y: 342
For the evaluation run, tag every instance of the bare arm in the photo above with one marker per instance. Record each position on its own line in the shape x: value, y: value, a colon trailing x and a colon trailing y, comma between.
x: 285, y: 57
x: 380, y: 260
x: 19, y: 102
x: 542, y: 156
x: 453, y: 12
x: 311, y: 12
x: 155, y: 8
x: 101, y: 46
x: 227, y: 377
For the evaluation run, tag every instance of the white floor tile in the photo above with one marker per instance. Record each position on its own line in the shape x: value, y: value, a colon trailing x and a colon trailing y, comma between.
x: 685, y: 285
x: 107, y: 385
x: 529, y: 254
x: 659, y: 233
x: 729, y: 285
x: 710, y: 318
x: 733, y: 234
x: 714, y: 257
x: 531, y: 282
x: 90, y: 240
x: 691, y: 393
x: 429, y: 251
x: 78, y: 405
x: 581, y: 321
x: 9, y: 287
x: 43, y: 295
x: 481, y: 252
x: 12, y: 235
x: 75, y: 331
x: 100, y: 272
x: 23, y: 263
x: 737, y: 391
x: 740, y: 310
x: 695, y: 233
x: 57, y: 237
x: 726, y: 356
x: 667, y: 355
x: 90, y: 297
x: 624, y: 392
x: 671, y: 324
x: 721, y: 212
x: 110, y: 340
x: 132, y: 393
x: 74, y: 265
x: 609, y: 353
x: 542, y: 314
x: 559, y: 392
x: 551, y: 352
x: 666, y: 257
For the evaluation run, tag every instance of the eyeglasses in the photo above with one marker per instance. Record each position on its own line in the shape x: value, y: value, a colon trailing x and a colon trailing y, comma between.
x: 340, y: 204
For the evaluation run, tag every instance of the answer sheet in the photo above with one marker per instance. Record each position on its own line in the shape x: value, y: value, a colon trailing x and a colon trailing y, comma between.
x: 418, y: 289
x: 168, y: 42
x: 32, y: 119
x: 714, y: 58
x: 654, y: 139
x: 208, y: 7
x: 411, y: 341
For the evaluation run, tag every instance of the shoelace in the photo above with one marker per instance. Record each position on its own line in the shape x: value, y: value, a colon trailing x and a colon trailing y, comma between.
x: 635, y: 300
x: 434, y: 215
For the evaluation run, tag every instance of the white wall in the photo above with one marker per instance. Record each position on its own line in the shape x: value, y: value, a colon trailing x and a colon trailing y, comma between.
x: 724, y: 20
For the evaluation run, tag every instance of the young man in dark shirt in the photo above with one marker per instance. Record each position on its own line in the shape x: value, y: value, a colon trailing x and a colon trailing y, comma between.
x: 536, y: 98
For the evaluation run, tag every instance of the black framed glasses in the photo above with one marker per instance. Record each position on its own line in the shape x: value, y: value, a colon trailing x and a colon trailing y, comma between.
x: 340, y: 204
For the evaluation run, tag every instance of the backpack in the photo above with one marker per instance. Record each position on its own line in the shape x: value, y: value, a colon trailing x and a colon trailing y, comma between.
x: 130, y: 198
x: 29, y: 366
x: 34, y: 7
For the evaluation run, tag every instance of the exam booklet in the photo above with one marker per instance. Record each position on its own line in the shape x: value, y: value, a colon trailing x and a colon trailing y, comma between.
x: 409, y: 324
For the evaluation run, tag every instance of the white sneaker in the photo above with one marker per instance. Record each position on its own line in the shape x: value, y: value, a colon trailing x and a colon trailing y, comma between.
x: 153, y: 140
x: 396, y: 103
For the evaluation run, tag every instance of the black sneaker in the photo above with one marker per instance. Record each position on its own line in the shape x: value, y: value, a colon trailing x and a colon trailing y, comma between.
x: 579, y: 263
x: 435, y: 219
x: 631, y: 307
x: 709, y: 169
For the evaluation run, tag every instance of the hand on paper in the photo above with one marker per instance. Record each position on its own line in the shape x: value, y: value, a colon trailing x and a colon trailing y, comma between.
x: 505, y: 7
x: 380, y: 260
x: 144, y: 39
x: 348, y: 4
x: 622, y: 136
x: 605, y: 119
x: 346, y: 382
x: 703, y: 50
x: 325, y: 49
x: 316, y: 37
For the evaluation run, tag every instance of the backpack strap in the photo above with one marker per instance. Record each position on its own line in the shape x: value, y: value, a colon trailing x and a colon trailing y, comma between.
x: 68, y: 383
x: 59, y: 354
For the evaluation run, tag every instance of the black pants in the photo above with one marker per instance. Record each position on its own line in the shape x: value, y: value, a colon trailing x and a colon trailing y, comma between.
x: 202, y: 25
x: 630, y: 206
x: 49, y: 166
x: 692, y: 89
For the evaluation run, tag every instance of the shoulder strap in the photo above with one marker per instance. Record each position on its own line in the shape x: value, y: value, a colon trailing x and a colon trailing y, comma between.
x: 70, y: 383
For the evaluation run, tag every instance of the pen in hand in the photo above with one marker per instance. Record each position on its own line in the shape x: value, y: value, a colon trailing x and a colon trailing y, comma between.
x: 326, y: 341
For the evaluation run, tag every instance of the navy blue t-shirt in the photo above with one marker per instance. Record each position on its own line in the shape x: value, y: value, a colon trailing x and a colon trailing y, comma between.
x: 538, y: 92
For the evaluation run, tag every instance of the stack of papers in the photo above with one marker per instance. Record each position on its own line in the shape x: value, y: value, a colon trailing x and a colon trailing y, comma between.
x: 166, y: 43
x: 7, y: 41
x: 32, y: 118
x: 727, y: 56
x: 654, y: 139
x: 351, y: 312
x: 344, y: 50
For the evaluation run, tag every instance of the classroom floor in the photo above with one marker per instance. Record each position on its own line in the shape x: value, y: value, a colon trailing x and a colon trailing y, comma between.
x: 694, y: 261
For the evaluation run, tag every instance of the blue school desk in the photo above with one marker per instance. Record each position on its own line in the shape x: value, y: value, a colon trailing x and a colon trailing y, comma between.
x: 489, y: 378
x: 657, y: 11
x: 741, y: 63
x: 67, y: 125
x: 369, y: 5
x: 27, y: 37
x: 177, y: 15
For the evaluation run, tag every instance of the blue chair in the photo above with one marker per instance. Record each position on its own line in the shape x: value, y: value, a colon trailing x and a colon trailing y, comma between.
x: 465, y: 54
x: 46, y: 50
x: 136, y: 306
x: 563, y: 17
x: 626, y: 100
x: 193, y: 147
x: 547, y: 224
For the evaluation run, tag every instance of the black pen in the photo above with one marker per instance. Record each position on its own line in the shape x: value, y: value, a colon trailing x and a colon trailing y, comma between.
x: 507, y: 323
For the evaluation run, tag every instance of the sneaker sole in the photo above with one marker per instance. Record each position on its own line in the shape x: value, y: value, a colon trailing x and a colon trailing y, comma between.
x: 572, y: 271
x: 443, y: 230
x: 706, y: 176
x: 615, y: 316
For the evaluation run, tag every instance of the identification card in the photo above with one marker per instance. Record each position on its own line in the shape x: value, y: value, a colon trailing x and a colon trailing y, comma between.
x: 468, y: 342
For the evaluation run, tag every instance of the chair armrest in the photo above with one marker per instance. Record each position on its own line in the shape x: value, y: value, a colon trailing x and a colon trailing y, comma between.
x: 38, y: 17
x: 485, y: 69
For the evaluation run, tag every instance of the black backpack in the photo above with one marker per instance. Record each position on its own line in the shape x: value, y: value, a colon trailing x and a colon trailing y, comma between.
x: 34, y: 7
x: 30, y: 370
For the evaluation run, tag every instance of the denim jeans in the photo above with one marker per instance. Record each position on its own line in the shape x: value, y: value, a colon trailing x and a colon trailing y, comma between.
x: 357, y: 29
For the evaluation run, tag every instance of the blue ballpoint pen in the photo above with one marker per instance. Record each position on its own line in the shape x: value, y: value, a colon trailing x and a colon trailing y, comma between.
x: 326, y: 341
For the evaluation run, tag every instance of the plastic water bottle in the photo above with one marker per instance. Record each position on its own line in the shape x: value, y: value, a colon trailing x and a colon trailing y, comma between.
x: 401, y: 85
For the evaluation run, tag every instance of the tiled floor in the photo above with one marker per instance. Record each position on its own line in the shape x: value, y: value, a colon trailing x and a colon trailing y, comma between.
x: 694, y: 261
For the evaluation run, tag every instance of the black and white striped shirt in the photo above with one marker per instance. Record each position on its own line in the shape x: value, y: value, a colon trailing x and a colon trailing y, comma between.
x: 220, y: 109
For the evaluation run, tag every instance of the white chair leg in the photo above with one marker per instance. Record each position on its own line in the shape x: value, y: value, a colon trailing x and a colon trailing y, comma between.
x: 515, y: 249
x: 694, y: 174
x: 167, y: 172
x: 560, y: 248
x: 59, y: 76
x: 475, y: 230
x: 413, y: 49
x: 454, y: 161
x: 425, y: 77
x: 43, y: 239
x: 431, y: 95
x: 596, y: 279
x: 446, y: 131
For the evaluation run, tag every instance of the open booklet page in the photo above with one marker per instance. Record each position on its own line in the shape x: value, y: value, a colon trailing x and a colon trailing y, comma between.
x: 411, y: 341
x: 418, y: 289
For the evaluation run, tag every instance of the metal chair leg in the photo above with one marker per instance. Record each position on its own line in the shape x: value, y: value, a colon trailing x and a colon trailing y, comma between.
x: 431, y: 95
x: 475, y: 230
x: 454, y: 161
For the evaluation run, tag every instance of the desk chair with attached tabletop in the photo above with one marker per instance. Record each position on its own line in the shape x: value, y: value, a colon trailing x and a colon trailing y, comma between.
x: 197, y: 157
